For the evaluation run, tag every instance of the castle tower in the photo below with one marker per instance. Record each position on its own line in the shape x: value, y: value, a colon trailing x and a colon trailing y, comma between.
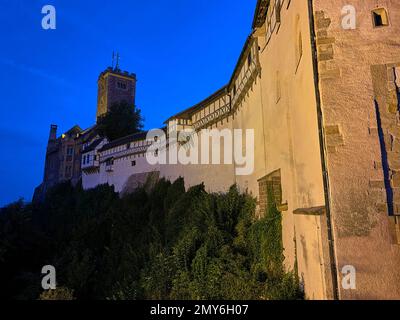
x: 53, y: 132
x: 52, y: 162
x: 115, y: 86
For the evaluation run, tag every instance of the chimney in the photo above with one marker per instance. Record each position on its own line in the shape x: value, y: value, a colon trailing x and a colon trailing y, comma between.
x: 53, y: 132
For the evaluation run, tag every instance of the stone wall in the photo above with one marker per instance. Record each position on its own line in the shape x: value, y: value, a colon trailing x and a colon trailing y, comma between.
x: 360, y: 120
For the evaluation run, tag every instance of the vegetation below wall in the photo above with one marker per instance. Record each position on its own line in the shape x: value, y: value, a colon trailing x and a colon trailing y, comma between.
x: 157, y: 243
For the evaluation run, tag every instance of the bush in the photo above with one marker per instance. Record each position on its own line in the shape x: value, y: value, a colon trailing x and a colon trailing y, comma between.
x: 159, y: 243
x: 57, y: 294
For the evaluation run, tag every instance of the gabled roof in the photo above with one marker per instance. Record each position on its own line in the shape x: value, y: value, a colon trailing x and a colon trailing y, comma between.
x: 186, y: 114
x: 124, y: 140
x: 93, y: 146
x: 74, y: 130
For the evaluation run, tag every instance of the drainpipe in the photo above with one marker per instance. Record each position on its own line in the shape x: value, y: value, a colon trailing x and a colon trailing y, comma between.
x: 325, y: 175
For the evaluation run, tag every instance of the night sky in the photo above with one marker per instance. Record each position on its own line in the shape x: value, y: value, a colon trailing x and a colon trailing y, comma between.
x: 180, y: 50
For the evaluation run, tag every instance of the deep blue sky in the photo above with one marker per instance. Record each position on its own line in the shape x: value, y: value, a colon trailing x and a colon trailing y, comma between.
x: 181, y: 51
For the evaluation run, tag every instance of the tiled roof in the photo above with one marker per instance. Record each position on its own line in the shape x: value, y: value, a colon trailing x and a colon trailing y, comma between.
x: 186, y: 114
x: 93, y: 145
x: 124, y: 140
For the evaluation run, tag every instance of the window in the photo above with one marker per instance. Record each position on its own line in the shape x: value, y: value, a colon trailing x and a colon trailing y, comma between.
x: 380, y: 17
x: 121, y: 85
x: 109, y: 162
x: 133, y: 163
x: 234, y: 89
x: 70, y: 151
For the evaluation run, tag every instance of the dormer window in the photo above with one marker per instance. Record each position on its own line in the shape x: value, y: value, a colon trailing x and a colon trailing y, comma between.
x: 380, y: 17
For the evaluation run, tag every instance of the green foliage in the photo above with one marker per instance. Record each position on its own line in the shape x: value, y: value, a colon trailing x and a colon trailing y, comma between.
x: 121, y: 120
x: 58, y: 294
x: 158, y: 243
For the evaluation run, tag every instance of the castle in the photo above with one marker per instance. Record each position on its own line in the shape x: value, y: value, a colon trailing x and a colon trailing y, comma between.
x: 324, y: 103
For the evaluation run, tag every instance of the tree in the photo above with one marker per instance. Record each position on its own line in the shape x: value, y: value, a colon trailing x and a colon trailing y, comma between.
x: 121, y: 120
x: 161, y: 242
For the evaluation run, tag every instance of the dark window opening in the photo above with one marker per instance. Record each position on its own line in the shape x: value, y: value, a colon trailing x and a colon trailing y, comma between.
x: 133, y: 163
x: 121, y: 85
x: 380, y: 17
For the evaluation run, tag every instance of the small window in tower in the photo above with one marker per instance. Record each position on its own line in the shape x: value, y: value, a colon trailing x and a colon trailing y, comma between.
x: 249, y: 59
x: 380, y: 17
x: 121, y: 85
x: 133, y: 163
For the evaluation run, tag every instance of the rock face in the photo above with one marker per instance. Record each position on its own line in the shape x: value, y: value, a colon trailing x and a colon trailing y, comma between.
x: 148, y: 179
